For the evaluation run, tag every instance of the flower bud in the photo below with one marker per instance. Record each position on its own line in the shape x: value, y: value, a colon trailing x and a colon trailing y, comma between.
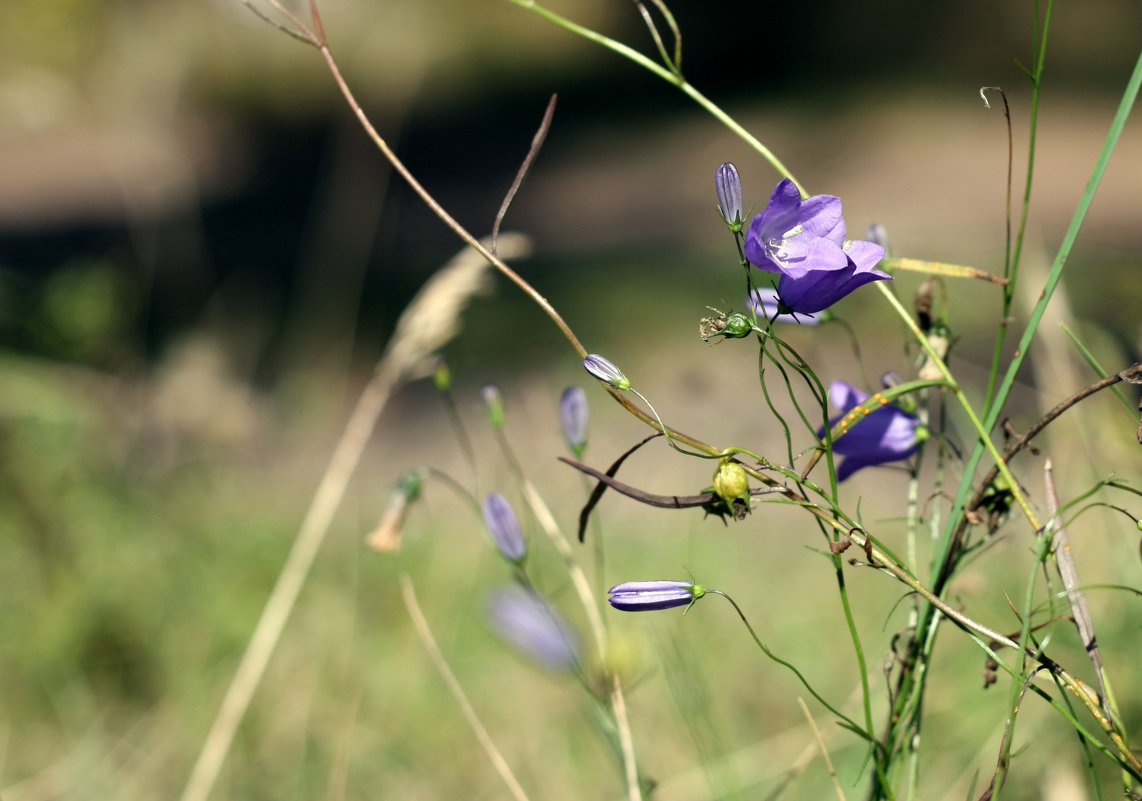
x: 573, y: 415
x: 646, y: 596
x: 731, y: 482
x: 504, y: 526
x: 386, y: 537
x: 528, y: 623
x: 493, y: 404
x: 877, y: 234
x: 728, y: 187
x: 604, y: 369
x: 734, y: 325
x: 737, y: 326
x: 441, y: 375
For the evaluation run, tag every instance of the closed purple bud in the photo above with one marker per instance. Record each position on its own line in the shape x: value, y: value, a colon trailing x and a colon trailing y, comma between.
x: 573, y: 415
x: 502, y: 522
x: 604, y: 369
x: 728, y: 187
x: 526, y: 622
x: 645, y: 596
x: 877, y: 234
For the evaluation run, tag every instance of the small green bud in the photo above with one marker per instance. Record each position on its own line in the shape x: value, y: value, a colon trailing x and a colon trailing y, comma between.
x: 731, y: 326
x: 493, y: 404
x: 410, y: 483
x: 442, y: 376
x: 737, y: 326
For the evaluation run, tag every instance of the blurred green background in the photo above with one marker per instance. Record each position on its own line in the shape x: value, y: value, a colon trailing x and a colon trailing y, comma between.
x: 202, y: 257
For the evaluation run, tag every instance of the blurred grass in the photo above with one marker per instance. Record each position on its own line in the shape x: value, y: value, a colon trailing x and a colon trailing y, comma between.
x: 138, y: 549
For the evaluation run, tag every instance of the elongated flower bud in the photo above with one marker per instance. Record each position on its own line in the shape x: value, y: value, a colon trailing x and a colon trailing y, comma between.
x: 877, y: 234
x: 531, y: 625
x: 646, y: 596
x: 493, y: 404
x: 604, y: 369
x: 504, y: 526
x: 728, y: 187
x: 573, y: 415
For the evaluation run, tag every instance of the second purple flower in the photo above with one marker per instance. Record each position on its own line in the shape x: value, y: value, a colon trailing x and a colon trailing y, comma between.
x: 887, y: 434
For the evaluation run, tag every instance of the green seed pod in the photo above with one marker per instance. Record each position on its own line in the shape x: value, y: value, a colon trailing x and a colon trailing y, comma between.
x: 731, y: 482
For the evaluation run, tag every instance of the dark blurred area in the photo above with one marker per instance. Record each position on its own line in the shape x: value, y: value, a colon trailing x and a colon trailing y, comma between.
x: 169, y: 167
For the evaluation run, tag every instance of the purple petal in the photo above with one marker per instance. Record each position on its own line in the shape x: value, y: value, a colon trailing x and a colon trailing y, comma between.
x: 763, y: 301
x: 845, y: 396
x: 783, y: 210
x: 866, y: 255
x: 504, y: 525
x: 646, y: 596
x: 573, y: 416
x: 754, y: 247
x: 887, y: 434
x: 527, y: 622
x: 803, y: 253
x: 819, y: 289
x: 820, y: 215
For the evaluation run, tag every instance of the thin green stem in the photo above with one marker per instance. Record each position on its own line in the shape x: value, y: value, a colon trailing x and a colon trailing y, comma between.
x: 851, y: 724
x: 993, y: 412
x: 1012, y: 258
x: 965, y: 404
x: 671, y: 77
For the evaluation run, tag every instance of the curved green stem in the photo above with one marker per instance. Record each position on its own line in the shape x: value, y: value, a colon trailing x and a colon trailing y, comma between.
x: 671, y: 77
x: 851, y: 724
x: 965, y: 404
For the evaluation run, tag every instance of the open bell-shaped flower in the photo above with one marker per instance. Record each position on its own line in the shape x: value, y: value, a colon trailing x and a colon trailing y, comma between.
x: 803, y: 240
x: 886, y: 434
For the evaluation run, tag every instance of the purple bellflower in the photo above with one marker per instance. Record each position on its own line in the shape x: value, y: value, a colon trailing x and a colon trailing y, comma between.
x: 526, y: 622
x: 804, y: 242
x: 502, y: 522
x: 573, y: 416
x: 887, y: 434
x: 645, y: 596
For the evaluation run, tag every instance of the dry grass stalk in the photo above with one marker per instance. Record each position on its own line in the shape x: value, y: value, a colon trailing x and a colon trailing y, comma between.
x: 429, y: 321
